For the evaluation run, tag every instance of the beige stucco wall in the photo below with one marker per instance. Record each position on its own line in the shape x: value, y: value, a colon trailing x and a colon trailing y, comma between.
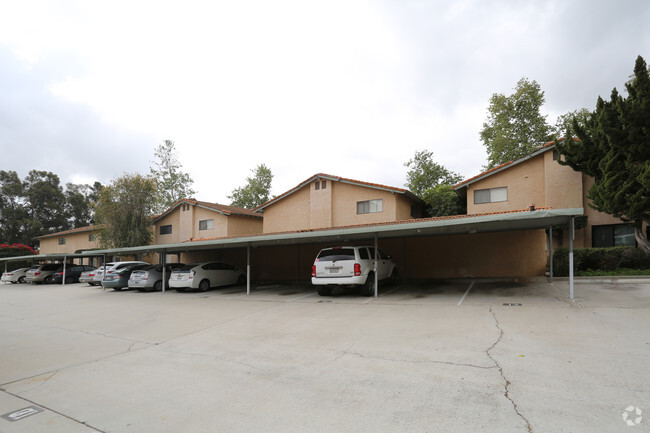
x: 335, y: 206
x: 173, y: 219
x: 219, y: 230
x: 563, y: 185
x: 344, y: 205
x: 244, y: 225
x: 73, y: 242
x: 525, y: 183
x: 290, y: 213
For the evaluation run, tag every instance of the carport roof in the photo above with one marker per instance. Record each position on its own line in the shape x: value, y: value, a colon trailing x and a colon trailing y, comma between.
x: 459, y: 224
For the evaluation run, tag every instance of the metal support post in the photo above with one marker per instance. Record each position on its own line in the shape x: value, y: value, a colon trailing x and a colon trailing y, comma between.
x: 571, y: 235
x: 376, y: 259
x: 248, y: 270
x: 550, y: 253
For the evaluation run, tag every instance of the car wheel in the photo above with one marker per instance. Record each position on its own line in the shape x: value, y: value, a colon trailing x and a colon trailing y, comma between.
x: 21, y: 279
x: 157, y: 286
x: 117, y: 289
x: 69, y: 280
x: 204, y: 285
x: 368, y: 288
x: 47, y: 280
x: 324, y: 291
x: 394, y: 278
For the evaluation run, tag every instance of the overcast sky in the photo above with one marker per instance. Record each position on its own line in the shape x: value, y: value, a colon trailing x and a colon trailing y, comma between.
x: 350, y: 88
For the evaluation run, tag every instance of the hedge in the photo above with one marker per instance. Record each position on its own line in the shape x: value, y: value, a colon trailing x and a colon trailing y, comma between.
x: 599, y: 259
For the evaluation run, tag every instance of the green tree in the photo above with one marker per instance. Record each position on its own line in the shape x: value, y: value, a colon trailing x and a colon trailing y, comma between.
x: 614, y: 148
x: 515, y: 126
x: 13, y: 215
x: 442, y: 200
x: 256, y: 191
x: 432, y: 182
x: 173, y: 184
x: 123, y: 211
x: 45, y: 203
x: 79, y: 201
x: 564, y: 123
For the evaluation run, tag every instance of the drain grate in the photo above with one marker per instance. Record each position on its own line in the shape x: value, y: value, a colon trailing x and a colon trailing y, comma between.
x: 508, y: 304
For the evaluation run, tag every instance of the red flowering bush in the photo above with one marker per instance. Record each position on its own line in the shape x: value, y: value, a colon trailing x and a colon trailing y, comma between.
x: 15, y: 250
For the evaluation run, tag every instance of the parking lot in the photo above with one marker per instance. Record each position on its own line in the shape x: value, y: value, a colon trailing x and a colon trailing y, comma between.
x: 445, y: 356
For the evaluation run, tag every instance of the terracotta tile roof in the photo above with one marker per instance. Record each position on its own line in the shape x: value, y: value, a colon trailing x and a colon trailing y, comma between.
x: 338, y: 179
x: 89, y: 228
x: 378, y: 224
x: 224, y: 209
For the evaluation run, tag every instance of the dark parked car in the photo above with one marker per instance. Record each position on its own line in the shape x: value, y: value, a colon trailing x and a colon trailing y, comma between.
x: 72, y: 273
x: 119, y: 278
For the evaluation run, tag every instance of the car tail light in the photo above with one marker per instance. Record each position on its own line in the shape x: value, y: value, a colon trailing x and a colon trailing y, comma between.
x: 37, y: 273
x: 192, y: 273
x: 313, y: 271
x: 145, y: 275
x: 357, y: 270
x: 60, y: 274
x: 91, y: 275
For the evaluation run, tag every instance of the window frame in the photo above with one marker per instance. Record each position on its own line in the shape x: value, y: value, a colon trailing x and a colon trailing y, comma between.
x: 207, y: 224
x: 490, y: 193
x: 366, y: 206
x: 165, y: 227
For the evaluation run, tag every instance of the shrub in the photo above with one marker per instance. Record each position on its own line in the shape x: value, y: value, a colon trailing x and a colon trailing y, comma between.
x: 15, y: 250
x: 599, y: 259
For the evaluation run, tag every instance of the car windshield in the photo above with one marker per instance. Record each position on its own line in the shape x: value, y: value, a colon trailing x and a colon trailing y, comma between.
x: 336, y: 254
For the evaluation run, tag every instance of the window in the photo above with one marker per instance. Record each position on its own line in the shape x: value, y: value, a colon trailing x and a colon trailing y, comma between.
x: 491, y: 195
x: 317, y: 185
x: 613, y: 235
x: 92, y: 237
x: 61, y: 241
x: 166, y: 230
x: 206, y: 224
x: 324, y: 184
x: 320, y: 185
x: 556, y: 155
x: 370, y: 206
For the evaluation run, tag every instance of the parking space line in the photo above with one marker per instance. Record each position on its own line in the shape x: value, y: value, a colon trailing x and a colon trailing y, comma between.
x: 466, y: 292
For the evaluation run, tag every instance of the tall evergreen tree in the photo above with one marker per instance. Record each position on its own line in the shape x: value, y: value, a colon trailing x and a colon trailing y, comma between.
x: 515, y: 126
x: 614, y: 148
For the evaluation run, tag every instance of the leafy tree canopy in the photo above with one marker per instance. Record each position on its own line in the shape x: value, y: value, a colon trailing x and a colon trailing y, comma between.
x: 173, y: 184
x: 614, y: 148
x: 432, y: 182
x: 123, y: 211
x: 515, y: 126
x: 256, y: 191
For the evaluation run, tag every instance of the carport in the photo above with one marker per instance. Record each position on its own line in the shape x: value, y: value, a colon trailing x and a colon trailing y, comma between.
x: 460, y: 224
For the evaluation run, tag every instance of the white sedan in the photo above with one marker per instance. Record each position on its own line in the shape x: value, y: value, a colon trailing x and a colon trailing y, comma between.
x: 15, y: 276
x: 203, y: 276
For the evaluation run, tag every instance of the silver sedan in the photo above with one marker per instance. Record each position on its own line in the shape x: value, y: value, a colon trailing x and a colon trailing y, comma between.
x: 150, y: 278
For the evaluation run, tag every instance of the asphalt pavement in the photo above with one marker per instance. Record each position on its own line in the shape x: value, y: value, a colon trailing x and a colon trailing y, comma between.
x: 444, y: 356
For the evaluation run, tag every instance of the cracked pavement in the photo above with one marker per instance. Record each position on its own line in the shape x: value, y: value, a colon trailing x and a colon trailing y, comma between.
x: 415, y: 359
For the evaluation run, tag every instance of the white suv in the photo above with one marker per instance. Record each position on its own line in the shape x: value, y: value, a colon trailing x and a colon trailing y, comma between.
x: 351, y: 266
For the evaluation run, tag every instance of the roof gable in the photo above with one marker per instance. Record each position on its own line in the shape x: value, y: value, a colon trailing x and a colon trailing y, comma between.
x: 215, y: 207
x: 540, y: 150
x: 324, y: 176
